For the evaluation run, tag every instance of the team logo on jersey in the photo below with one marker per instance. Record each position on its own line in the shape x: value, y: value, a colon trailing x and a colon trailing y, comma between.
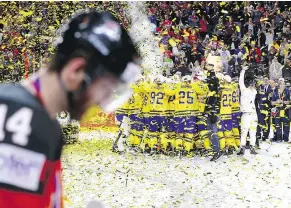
x: 20, y: 167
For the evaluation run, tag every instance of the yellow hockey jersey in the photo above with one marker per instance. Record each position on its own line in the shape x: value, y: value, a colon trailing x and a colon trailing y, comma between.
x: 135, y: 103
x: 187, y: 102
x: 226, y: 101
x: 235, y: 108
x: 171, y: 91
x: 202, y: 97
x: 123, y: 109
x: 142, y: 86
x: 158, y: 99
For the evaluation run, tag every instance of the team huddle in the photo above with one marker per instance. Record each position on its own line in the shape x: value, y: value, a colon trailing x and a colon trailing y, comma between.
x: 168, y: 115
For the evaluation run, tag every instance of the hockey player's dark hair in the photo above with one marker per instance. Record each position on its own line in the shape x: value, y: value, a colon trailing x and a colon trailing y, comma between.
x: 249, y: 82
x: 57, y: 61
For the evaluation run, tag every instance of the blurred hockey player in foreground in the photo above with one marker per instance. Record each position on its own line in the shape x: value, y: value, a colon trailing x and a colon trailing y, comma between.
x: 95, y: 62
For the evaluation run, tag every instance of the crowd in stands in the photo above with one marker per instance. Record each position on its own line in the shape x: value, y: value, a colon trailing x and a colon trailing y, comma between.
x: 253, y: 32
x: 28, y: 29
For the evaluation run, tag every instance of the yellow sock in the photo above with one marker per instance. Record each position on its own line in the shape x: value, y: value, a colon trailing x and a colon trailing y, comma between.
x: 222, y: 143
x: 164, y: 141
x: 178, y: 143
x: 207, y: 144
x: 131, y: 139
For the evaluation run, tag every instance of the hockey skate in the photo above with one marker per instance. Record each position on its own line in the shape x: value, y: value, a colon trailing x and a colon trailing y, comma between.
x: 216, y: 156
x: 242, y: 151
x: 114, y: 148
x: 252, y: 150
x: 230, y: 150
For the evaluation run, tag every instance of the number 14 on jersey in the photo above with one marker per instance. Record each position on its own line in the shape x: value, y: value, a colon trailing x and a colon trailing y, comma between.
x: 19, y: 124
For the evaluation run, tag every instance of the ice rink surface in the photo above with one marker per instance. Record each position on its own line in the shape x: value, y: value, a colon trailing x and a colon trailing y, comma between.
x: 93, y: 172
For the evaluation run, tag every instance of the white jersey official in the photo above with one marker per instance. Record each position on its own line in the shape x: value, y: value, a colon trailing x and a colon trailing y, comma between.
x: 249, y: 119
x: 248, y: 96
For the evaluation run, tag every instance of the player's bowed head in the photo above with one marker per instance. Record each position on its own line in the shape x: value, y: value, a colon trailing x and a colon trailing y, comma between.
x: 95, y: 62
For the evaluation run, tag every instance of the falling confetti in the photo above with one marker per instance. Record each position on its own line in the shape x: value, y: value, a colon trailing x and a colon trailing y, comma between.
x: 90, y: 170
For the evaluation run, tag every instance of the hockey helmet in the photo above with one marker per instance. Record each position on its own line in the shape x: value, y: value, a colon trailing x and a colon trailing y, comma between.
x: 107, y: 48
x: 186, y: 78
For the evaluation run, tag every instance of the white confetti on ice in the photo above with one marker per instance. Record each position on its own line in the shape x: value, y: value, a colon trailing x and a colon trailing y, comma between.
x: 125, y: 181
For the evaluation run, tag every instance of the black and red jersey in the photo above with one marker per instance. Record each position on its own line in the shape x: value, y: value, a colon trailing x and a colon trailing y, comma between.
x: 30, y: 151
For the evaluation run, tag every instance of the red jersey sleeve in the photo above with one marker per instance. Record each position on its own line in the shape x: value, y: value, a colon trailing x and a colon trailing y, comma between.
x: 50, y: 198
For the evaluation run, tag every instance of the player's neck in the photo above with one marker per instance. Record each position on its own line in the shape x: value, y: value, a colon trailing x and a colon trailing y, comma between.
x: 51, y: 92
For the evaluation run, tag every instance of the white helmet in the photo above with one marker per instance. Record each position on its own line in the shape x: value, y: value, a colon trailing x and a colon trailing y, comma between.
x: 141, y: 78
x: 169, y: 80
x: 201, y: 76
x: 176, y: 78
x: 186, y: 78
x: 235, y: 79
x: 227, y: 78
x: 163, y: 79
x: 158, y: 79
x: 151, y: 77
x: 220, y: 76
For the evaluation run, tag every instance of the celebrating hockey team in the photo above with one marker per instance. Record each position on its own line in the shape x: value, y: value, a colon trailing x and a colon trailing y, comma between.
x: 215, y: 96
x: 210, y: 114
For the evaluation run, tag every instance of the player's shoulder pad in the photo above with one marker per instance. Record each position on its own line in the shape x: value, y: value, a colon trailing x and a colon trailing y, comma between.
x: 17, y: 94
